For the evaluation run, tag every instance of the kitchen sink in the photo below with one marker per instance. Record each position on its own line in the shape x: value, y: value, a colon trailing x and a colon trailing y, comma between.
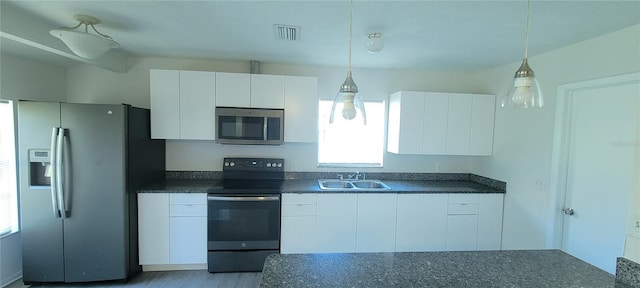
x: 370, y: 184
x: 333, y: 184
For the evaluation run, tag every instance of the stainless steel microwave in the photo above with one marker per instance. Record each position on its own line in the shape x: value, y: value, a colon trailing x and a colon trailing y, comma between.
x: 255, y: 126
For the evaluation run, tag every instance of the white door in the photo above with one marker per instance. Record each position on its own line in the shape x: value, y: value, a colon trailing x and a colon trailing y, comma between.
x: 603, y: 125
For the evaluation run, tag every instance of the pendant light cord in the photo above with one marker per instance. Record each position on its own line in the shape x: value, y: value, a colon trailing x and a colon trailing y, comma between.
x: 526, y: 37
x: 350, y: 33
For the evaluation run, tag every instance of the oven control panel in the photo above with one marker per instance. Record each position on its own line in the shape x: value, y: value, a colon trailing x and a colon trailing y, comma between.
x: 253, y: 164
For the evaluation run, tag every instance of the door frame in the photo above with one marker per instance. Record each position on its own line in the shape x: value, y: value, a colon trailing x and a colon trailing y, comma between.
x: 560, y: 152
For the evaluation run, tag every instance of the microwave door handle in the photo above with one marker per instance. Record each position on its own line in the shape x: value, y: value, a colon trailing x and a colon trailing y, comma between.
x: 264, y: 128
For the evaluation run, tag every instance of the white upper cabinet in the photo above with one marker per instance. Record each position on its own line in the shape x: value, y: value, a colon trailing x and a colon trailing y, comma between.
x: 197, y: 105
x: 440, y: 123
x: 182, y: 104
x: 233, y: 90
x: 267, y: 91
x: 300, y: 109
x: 249, y: 90
x: 482, y: 124
x: 165, y: 104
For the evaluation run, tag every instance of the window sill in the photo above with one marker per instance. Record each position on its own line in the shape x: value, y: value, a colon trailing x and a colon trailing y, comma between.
x: 350, y: 165
x: 5, y: 235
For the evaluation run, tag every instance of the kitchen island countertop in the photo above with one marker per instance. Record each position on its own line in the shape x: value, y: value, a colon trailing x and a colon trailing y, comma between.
x: 521, y: 268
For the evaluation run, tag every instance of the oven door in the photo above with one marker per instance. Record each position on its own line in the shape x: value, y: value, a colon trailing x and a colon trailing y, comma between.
x: 243, y: 222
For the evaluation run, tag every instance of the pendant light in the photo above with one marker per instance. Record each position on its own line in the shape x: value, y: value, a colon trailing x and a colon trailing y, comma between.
x: 83, y: 44
x: 524, y: 91
x: 348, y: 100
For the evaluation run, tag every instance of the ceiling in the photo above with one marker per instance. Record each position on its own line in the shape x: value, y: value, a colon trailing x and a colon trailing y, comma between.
x: 419, y: 35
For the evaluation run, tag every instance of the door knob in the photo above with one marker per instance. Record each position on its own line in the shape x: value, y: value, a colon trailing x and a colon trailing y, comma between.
x: 567, y: 211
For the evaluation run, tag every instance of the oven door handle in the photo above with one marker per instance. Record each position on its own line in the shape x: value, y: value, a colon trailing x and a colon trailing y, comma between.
x: 243, y: 198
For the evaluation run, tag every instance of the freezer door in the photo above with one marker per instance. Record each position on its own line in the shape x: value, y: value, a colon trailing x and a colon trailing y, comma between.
x: 95, y: 234
x: 42, y: 246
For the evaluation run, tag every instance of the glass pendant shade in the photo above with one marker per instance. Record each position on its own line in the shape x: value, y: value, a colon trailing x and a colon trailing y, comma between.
x: 85, y: 45
x: 524, y: 90
x: 348, y: 103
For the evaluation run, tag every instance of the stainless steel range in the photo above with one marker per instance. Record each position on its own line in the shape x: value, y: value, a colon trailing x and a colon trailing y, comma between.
x: 243, y: 218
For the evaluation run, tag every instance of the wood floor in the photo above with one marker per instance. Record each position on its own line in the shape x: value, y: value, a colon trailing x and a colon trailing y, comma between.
x: 191, y: 278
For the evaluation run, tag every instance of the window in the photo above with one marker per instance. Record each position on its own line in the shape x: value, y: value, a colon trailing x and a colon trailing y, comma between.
x: 350, y: 143
x: 8, y: 188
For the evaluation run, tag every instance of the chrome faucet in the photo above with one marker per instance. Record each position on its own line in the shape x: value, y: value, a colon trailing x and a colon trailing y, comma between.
x: 356, y: 175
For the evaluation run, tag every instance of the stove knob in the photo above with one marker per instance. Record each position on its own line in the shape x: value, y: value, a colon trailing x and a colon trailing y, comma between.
x: 226, y: 164
x: 232, y: 164
x: 279, y: 164
x: 269, y: 164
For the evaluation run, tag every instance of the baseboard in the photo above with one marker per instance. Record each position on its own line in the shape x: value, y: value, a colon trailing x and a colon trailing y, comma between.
x: 13, y: 278
x: 174, y: 267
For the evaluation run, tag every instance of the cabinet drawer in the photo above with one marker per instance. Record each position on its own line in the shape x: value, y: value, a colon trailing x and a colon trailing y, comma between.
x: 299, y: 198
x: 463, y: 209
x: 298, y: 210
x: 188, y: 210
x: 464, y: 198
x: 188, y: 198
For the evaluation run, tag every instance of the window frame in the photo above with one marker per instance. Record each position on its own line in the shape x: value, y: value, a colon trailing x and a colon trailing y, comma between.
x: 11, y: 163
x: 383, y: 129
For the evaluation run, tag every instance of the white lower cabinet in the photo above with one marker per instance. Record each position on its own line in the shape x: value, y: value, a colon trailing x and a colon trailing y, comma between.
x: 390, y: 222
x: 298, y: 225
x: 188, y: 228
x: 336, y: 223
x: 474, y: 222
x: 172, y: 228
x: 153, y: 228
x: 376, y: 223
x: 421, y: 222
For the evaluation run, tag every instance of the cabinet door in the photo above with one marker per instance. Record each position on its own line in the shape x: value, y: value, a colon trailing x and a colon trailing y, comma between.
x: 300, y: 109
x: 197, y: 105
x: 490, y: 221
x: 188, y: 240
x: 459, y: 124
x: 298, y: 234
x: 267, y: 91
x: 405, y: 125
x: 233, y: 90
x: 435, y: 119
x: 336, y: 223
x: 153, y: 228
x: 376, y: 223
x: 165, y: 103
x: 462, y: 232
x: 421, y: 222
x: 482, y: 121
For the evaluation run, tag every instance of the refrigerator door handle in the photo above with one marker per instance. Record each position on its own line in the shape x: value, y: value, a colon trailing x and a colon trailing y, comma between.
x: 54, y: 175
x: 59, y: 173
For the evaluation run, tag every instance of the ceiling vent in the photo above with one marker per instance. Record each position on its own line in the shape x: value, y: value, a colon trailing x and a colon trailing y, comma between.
x: 286, y: 32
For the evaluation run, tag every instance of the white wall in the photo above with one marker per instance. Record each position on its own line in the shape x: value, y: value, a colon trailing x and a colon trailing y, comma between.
x: 94, y: 85
x: 523, y: 138
x: 25, y: 80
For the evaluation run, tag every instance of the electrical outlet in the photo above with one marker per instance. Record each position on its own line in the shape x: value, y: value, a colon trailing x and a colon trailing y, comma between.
x: 540, y: 185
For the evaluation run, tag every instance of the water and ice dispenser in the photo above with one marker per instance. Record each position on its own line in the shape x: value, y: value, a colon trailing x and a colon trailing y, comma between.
x: 39, y: 168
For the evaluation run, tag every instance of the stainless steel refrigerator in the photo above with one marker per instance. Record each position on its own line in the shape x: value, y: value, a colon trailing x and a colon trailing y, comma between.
x: 80, y: 165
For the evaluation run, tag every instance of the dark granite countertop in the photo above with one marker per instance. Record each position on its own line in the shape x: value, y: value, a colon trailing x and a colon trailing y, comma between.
x: 397, y: 186
x: 182, y: 186
x: 530, y: 268
x: 311, y: 186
